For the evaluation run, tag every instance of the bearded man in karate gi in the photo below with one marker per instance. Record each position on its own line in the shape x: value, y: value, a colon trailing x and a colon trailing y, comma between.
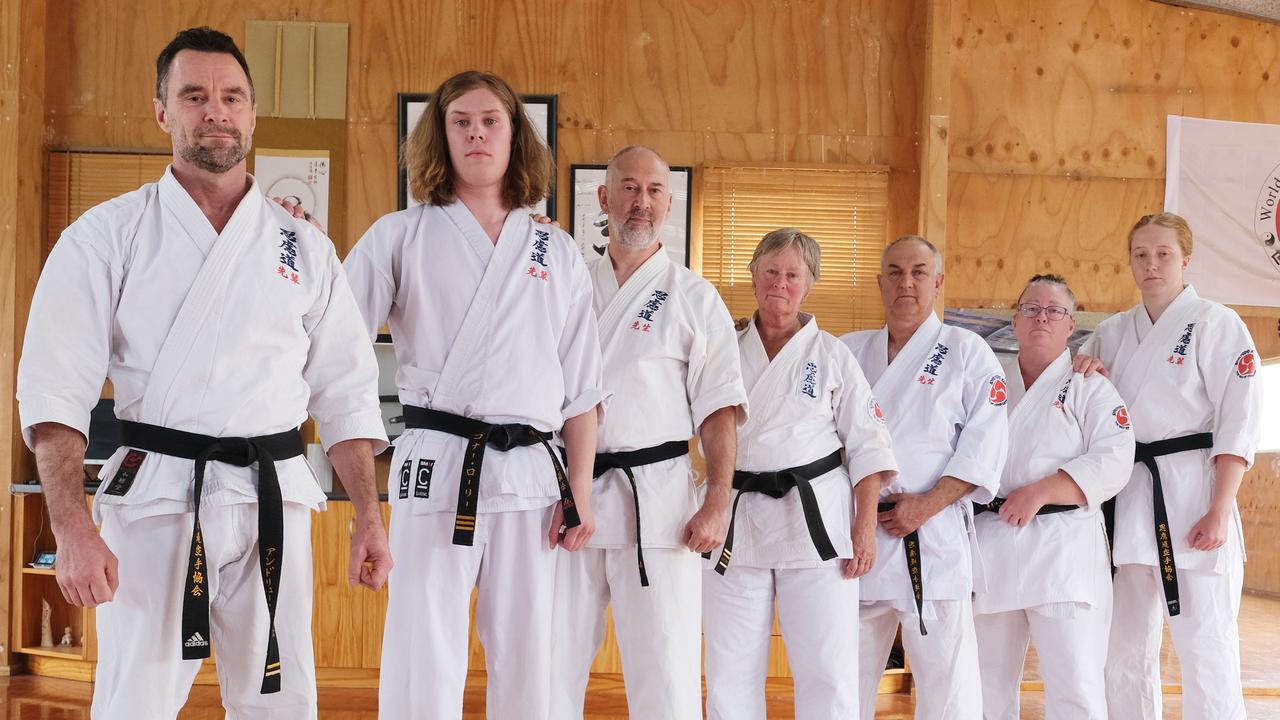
x: 944, y: 395
x: 221, y: 321
x: 671, y: 369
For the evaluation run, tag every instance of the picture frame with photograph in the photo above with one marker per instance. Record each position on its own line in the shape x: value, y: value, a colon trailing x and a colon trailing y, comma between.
x: 589, y: 226
x: 541, y: 110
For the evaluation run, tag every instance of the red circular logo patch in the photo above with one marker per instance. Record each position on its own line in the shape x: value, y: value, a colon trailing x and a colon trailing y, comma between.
x: 1122, y: 416
x: 1246, y: 364
x: 999, y: 392
x: 873, y: 409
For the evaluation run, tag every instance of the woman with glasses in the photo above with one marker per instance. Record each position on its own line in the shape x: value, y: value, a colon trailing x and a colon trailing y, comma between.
x: 1188, y: 369
x: 1041, y: 541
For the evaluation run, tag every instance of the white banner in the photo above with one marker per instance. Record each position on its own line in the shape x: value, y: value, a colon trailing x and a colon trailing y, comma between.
x: 1224, y: 178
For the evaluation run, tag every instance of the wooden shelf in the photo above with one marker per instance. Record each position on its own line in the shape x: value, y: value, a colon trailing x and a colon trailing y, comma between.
x: 74, y: 652
x: 39, y: 571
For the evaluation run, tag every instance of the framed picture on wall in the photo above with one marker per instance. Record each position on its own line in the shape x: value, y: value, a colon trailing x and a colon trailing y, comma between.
x: 541, y: 110
x: 590, y: 227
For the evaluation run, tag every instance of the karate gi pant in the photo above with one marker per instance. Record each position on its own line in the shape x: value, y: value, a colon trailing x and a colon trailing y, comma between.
x: 1072, y: 652
x: 141, y: 673
x: 818, y: 615
x: 658, y: 629
x: 944, y: 663
x: 424, y: 647
x: 1206, y: 636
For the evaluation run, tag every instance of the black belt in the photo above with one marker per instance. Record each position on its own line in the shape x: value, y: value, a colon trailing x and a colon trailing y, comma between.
x: 995, y: 505
x: 776, y: 485
x: 241, y: 452
x: 1146, y: 453
x: 481, y: 435
x: 626, y: 461
x: 911, y: 544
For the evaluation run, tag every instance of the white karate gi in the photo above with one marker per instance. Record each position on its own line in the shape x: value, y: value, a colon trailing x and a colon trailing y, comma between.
x: 810, y: 400
x: 232, y: 334
x: 1195, y: 370
x: 944, y: 395
x: 1051, y: 580
x: 505, y: 334
x: 670, y: 360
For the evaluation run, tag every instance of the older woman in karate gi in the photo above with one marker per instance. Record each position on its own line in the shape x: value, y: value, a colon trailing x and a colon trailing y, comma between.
x: 810, y: 464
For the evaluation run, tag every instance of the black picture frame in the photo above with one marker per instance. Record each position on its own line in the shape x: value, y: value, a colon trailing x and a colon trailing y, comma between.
x: 584, y: 211
x: 411, y: 105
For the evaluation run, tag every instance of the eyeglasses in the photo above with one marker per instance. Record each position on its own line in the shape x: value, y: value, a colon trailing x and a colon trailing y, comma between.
x: 1053, y: 312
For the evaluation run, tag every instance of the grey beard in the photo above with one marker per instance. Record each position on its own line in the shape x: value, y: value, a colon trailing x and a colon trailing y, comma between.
x: 215, y: 160
x: 636, y: 238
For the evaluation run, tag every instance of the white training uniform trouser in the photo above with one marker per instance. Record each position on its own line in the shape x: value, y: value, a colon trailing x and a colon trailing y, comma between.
x: 818, y: 616
x: 944, y: 663
x: 424, y: 647
x: 1071, y: 650
x: 658, y: 629
x: 1206, y: 637
x: 141, y: 673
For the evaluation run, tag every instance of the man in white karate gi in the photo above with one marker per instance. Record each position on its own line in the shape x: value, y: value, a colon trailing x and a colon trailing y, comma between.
x: 944, y: 395
x: 671, y: 368
x: 221, y: 321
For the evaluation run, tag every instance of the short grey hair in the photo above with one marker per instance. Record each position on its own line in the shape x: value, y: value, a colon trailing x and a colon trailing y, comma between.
x: 1052, y: 281
x: 937, y: 254
x: 612, y: 169
x: 783, y: 238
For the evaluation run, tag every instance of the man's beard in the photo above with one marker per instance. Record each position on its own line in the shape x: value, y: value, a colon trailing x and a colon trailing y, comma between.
x: 638, y: 236
x: 218, y: 159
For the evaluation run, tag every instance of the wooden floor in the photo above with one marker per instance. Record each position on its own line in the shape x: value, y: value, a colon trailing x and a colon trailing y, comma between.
x: 33, y: 698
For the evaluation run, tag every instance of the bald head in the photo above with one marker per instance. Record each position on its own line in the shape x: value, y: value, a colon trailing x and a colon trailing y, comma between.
x: 636, y: 196
x: 917, y: 240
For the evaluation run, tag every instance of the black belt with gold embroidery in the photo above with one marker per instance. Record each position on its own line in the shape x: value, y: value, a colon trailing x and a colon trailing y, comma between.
x: 628, y: 459
x: 776, y: 485
x: 911, y: 547
x: 481, y: 435
x: 995, y: 505
x: 265, y: 450
x: 1146, y: 453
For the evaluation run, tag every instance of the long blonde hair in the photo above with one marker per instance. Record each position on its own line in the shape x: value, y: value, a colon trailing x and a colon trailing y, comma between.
x: 425, y: 152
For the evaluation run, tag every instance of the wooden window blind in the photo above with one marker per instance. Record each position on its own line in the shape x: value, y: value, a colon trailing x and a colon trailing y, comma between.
x: 844, y: 208
x: 78, y: 180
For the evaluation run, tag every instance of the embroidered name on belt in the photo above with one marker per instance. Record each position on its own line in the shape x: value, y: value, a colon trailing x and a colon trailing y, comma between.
x: 126, y: 473
x: 929, y: 373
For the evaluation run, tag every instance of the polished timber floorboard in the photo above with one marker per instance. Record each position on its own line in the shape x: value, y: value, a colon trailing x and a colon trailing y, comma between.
x: 31, y: 698
x: 26, y: 697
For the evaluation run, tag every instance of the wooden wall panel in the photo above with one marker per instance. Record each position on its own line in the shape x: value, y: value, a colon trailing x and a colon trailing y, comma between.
x: 22, y: 55
x: 1058, y: 114
x: 824, y: 81
x: 1259, y: 501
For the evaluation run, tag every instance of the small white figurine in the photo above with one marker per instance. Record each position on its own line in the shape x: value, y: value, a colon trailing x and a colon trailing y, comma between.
x: 66, y: 637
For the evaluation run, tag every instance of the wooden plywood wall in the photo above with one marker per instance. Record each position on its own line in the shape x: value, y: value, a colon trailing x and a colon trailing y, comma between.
x: 1259, y: 501
x: 809, y: 81
x: 1058, y: 114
